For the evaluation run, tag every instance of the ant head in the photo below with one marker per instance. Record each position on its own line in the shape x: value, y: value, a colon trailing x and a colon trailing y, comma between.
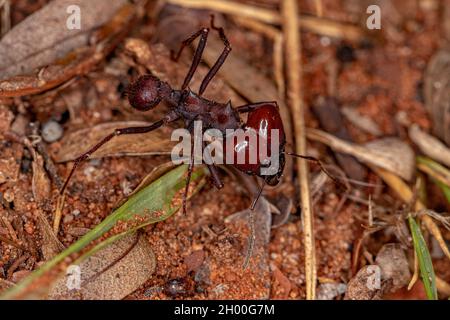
x: 147, y: 92
x: 275, y: 179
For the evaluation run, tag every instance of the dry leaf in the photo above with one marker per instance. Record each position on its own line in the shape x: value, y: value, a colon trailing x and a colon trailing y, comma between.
x: 364, y: 123
x: 75, y: 143
x: 394, y: 265
x: 23, y: 51
x: 40, y: 185
x: 429, y: 145
x: 76, y: 62
x: 357, y: 288
x: 391, y: 154
x: 437, y: 93
x: 105, y: 278
x: 327, y: 112
x: 50, y: 245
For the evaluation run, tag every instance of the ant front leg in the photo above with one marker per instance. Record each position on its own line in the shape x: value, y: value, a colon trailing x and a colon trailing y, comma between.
x: 223, y: 56
x: 253, y: 106
x: 203, y: 34
x: 117, y: 132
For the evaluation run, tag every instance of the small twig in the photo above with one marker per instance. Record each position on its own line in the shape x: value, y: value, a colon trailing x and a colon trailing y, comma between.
x: 58, y: 213
x: 322, y: 26
x: 297, y: 106
x: 5, y: 16
x: 415, y: 276
x: 233, y: 8
x: 319, y: 7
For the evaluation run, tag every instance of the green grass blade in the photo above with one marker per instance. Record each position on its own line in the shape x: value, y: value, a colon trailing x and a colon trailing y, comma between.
x: 425, y: 262
x: 445, y: 189
x: 152, y: 204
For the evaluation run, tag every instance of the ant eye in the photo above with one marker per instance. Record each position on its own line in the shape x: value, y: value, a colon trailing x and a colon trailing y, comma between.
x: 144, y: 93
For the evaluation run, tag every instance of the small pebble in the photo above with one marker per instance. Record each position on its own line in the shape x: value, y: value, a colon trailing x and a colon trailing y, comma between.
x: 51, y: 131
x: 68, y: 218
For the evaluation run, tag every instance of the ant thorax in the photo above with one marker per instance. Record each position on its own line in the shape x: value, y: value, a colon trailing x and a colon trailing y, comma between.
x: 210, y: 113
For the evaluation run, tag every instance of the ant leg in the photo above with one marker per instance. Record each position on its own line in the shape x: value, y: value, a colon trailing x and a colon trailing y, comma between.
x: 215, y: 176
x: 188, y: 179
x: 203, y: 34
x: 212, y: 169
x: 117, y: 132
x: 253, y: 106
x: 223, y: 56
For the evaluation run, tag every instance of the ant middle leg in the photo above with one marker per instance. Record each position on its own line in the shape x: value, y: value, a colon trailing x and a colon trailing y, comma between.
x: 212, y: 169
x: 223, y: 56
x: 117, y: 132
x: 203, y: 34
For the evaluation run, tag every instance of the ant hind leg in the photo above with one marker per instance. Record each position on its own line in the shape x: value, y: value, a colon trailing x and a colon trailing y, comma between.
x: 117, y: 132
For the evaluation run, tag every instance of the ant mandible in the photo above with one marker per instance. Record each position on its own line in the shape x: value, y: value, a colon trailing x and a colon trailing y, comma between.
x: 148, y: 91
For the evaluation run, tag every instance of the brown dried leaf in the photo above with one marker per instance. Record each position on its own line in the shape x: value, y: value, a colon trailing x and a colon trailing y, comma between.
x: 429, y: 145
x: 391, y: 154
x: 394, y: 265
x: 437, y: 93
x: 362, y: 285
x: 327, y: 112
x: 23, y: 51
x: 40, y: 185
x: 78, y: 61
x: 75, y: 143
x: 364, y: 123
x: 107, y: 275
x: 50, y: 245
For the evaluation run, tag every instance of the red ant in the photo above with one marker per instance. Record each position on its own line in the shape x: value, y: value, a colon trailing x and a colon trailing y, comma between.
x: 148, y: 91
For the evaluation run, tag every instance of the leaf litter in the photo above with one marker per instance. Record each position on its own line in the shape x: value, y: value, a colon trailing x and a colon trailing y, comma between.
x: 98, y: 190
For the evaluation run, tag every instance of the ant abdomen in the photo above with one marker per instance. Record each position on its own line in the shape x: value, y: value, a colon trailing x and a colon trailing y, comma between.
x: 147, y: 92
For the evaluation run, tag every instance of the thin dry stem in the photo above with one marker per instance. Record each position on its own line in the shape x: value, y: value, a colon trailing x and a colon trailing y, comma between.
x: 5, y: 16
x: 415, y: 276
x: 296, y: 102
x: 319, y: 7
x: 233, y: 8
x: 322, y: 26
x: 58, y: 213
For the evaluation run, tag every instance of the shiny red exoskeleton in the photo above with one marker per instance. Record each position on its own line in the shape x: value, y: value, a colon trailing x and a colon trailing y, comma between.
x: 148, y: 91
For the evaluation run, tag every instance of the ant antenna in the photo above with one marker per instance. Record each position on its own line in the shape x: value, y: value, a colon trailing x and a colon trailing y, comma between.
x: 258, y: 195
x: 315, y: 160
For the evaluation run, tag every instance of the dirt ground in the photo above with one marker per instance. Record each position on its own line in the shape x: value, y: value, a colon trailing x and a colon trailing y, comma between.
x: 200, y: 255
